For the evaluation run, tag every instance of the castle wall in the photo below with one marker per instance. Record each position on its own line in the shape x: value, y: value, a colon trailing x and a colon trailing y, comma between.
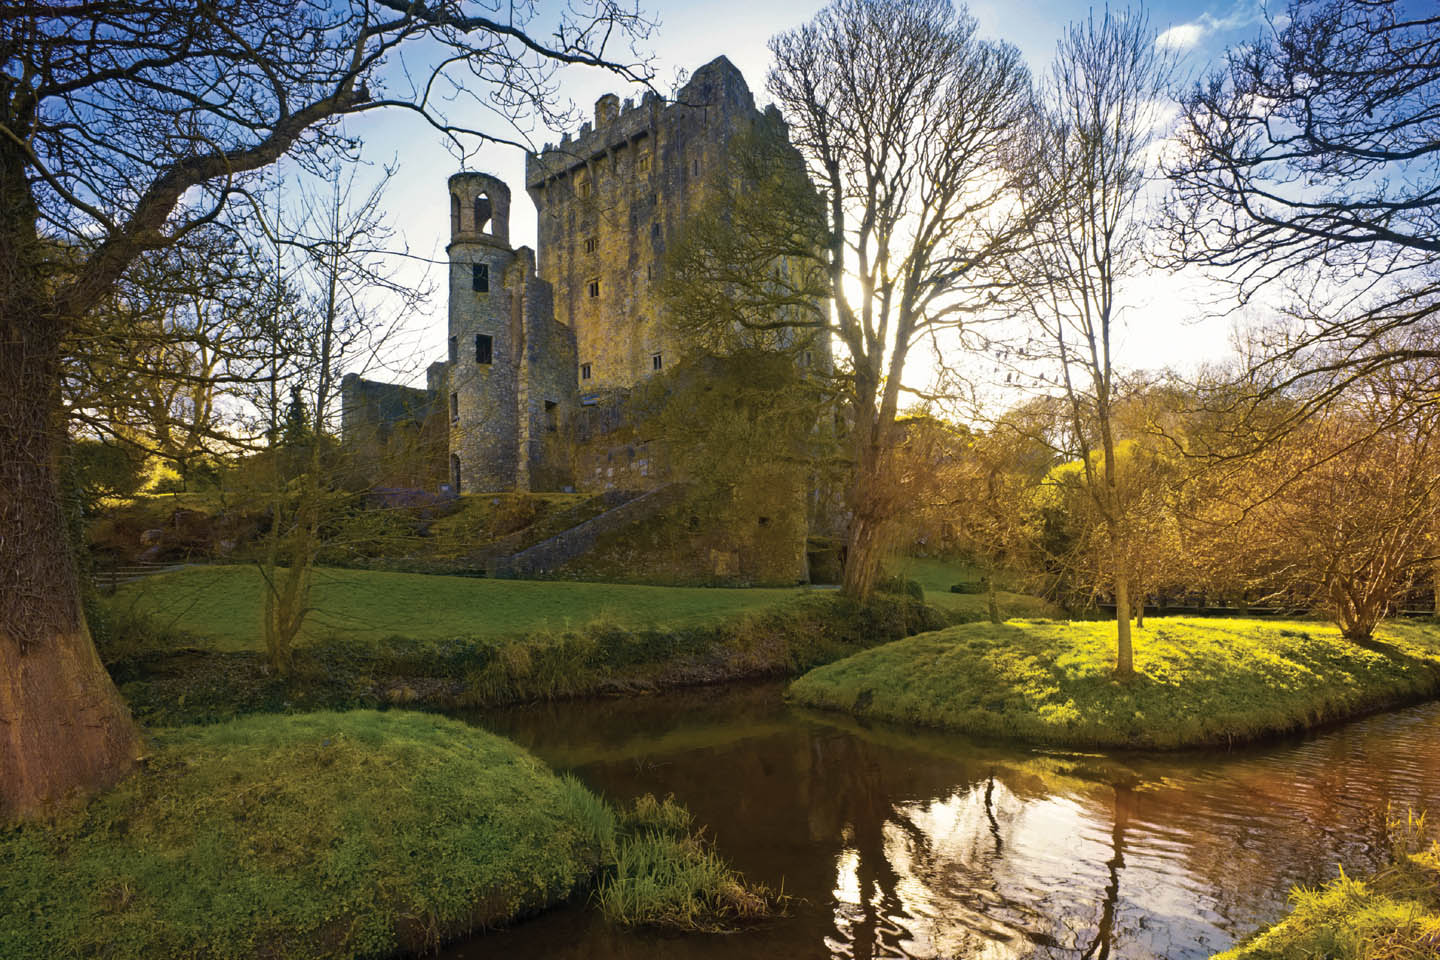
x: 393, y: 435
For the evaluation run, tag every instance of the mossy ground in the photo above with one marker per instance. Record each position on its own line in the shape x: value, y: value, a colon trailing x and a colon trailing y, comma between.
x: 1198, y: 681
x: 1393, y: 915
x: 320, y: 835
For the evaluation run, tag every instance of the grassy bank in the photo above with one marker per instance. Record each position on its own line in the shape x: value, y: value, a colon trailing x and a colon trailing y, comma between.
x: 220, y: 606
x: 1393, y: 915
x: 170, y: 679
x: 325, y: 835
x: 1198, y: 682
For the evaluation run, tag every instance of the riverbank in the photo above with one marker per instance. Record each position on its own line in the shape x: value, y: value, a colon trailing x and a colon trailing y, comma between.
x: 1393, y: 914
x: 171, y: 676
x: 1198, y: 682
x: 341, y: 835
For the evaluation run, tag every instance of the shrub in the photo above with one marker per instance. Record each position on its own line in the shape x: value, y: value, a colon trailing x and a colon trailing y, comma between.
x: 666, y: 875
x: 901, y: 586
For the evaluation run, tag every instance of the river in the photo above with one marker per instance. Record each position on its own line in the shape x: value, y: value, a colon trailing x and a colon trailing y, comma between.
x: 897, y: 843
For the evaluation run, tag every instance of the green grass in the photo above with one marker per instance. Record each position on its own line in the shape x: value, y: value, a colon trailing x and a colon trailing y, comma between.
x: 937, y: 576
x: 319, y: 835
x: 221, y: 605
x: 1198, y: 681
x: 1393, y: 915
x: 337, y: 835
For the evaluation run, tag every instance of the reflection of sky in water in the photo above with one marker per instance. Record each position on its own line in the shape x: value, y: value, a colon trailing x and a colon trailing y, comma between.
x: 986, y: 874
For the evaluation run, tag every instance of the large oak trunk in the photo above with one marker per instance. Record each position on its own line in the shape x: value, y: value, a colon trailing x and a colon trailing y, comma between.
x: 64, y: 729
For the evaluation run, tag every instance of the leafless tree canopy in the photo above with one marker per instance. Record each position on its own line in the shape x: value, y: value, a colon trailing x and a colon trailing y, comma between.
x: 126, y: 125
x: 1310, y: 163
x: 113, y: 112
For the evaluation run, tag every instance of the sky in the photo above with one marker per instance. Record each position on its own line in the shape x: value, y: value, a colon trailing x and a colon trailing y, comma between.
x: 1169, y: 321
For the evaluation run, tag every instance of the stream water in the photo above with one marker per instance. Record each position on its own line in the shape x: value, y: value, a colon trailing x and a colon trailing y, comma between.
x: 899, y: 843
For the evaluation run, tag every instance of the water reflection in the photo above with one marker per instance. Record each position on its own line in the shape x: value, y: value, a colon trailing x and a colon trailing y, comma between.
x: 930, y: 846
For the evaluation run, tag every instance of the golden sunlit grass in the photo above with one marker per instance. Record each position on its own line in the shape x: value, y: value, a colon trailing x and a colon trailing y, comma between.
x: 1198, y: 681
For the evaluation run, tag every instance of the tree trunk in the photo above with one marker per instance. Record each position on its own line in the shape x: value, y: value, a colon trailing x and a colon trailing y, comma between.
x: 1140, y: 611
x: 992, y: 607
x: 864, y: 550
x: 1124, y: 655
x: 1435, y: 586
x: 64, y: 729
x: 865, y: 539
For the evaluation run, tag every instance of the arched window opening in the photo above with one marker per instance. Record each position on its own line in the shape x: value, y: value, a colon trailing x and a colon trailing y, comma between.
x: 455, y: 472
x: 483, y: 211
x: 454, y: 213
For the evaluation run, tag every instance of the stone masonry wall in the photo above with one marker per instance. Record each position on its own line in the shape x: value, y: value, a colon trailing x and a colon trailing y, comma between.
x: 610, y: 200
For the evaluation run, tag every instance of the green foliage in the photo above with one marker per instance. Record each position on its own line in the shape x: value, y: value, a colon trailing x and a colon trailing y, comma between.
x: 1393, y: 915
x: 900, y: 586
x: 321, y: 835
x: 1198, y: 682
x: 102, y: 470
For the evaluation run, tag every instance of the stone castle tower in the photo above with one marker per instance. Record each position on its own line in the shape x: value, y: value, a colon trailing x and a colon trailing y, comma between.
x: 510, y: 372
x: 611, y: 199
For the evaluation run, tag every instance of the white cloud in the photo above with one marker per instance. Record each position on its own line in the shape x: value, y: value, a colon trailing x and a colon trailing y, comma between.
x: 1242, y: 14
x: 1183, y: 37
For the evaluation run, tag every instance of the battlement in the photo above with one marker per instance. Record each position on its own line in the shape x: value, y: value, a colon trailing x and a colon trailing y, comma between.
x: 617, y: 123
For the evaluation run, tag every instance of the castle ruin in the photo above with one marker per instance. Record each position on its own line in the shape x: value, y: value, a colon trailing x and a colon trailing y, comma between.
x: 536, y: 338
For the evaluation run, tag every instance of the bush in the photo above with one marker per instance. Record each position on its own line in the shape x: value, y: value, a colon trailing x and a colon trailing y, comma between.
x: 968, y: 588
x: 666, y: 875
x: 901, y: 586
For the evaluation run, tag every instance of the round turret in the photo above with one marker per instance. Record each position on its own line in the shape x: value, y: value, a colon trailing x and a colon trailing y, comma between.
x: 479, y: 209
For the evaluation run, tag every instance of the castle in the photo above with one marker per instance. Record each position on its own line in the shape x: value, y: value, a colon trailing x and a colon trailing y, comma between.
x: 541, y: 343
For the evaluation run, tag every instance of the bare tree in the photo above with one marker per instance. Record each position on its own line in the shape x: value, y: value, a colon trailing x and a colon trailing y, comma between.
x: 913, y: 129
x: 147, y: 366
x: 1104, y: 99
x: 124, y: 126
x: 1307, y: 166
x: 1337, y: 514
x: 349, y: 304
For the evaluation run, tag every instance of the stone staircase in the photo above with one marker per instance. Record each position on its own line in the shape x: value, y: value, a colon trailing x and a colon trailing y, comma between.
x: 581, y: 538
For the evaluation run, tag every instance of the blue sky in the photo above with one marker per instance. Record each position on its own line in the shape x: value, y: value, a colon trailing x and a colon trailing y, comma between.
x: 1164, y: 324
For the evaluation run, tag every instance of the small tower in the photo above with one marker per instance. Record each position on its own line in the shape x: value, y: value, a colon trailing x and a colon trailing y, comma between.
x: 484, y: 347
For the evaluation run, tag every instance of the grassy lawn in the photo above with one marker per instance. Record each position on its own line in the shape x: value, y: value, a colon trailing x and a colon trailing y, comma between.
x: 222, y: 604
x: 317, y: 835
x: 1199, y: 681
x: 937, y: 576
